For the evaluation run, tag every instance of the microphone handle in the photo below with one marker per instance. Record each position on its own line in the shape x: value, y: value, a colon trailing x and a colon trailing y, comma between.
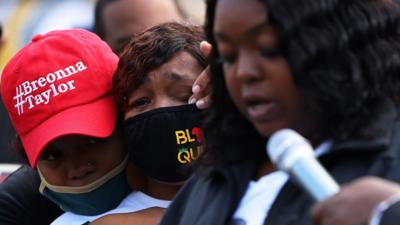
x: 314, y: 178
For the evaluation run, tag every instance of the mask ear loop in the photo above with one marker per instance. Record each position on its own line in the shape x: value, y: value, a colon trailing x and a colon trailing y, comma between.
x: 85, y: 188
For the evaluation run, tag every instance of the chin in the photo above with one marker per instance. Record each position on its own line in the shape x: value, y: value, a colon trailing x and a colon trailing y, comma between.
x: 267, y: 129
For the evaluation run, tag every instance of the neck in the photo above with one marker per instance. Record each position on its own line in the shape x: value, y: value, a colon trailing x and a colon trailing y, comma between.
x: 264, y: 169
x: 160, y: 190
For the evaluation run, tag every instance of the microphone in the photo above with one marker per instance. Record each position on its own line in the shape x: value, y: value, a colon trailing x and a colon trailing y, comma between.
x: 292, y: 153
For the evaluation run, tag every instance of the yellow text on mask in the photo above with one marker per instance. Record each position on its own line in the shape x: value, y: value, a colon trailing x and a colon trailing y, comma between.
x: 187, y: 155
x: 183, y: 137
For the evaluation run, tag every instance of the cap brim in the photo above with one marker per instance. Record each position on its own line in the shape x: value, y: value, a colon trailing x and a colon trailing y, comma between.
x: 95, y: 119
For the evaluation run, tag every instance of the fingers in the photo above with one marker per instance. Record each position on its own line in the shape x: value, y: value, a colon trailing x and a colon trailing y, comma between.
x: 354, y: 202
x: 202, y: 83
x: 205, y: 48
x: 202, y: 86
x: 203, y: 103
x: 319, y: 212
x: 201, y: 90
x: 316, y: 213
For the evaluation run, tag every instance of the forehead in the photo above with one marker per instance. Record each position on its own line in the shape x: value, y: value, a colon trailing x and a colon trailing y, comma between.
x: 135, y: 15
x: 236, y: 16
x: 67, y: 140
x: 182, y: 63
x: 118, y: 14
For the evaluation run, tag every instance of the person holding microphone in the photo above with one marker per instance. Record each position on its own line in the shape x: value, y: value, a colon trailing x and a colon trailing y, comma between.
x: 326, y: 69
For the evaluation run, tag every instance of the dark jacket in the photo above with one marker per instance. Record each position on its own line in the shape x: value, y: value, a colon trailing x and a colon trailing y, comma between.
x: 8, y: 154
x: 391, y: 214
x: 212, y: 198
x: 22, y: 204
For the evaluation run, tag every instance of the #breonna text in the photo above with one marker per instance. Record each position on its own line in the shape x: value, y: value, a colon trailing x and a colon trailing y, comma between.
x: 27, y: 94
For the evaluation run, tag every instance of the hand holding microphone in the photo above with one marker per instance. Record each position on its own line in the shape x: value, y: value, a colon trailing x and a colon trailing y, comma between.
x: 291, y: 153
x: 354, y: 204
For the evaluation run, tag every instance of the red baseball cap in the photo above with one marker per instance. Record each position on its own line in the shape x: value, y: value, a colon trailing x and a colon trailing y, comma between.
x: 60, y: 84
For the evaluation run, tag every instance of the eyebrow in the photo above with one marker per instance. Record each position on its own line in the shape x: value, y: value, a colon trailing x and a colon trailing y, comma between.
x: 176, y: 76
x: 249, y: 32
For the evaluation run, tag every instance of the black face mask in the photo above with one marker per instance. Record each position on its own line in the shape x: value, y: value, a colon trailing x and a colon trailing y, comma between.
x: 162, y: 142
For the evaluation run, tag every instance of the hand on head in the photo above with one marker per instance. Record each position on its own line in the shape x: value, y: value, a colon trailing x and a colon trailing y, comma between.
x: 202, y: 86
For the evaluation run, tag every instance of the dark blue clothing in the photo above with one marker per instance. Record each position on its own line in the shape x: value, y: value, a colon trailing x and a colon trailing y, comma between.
x: 21, y: 202
x: 8, y: 153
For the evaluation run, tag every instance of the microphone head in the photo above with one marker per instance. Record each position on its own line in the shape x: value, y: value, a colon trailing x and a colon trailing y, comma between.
x: 286, y: 146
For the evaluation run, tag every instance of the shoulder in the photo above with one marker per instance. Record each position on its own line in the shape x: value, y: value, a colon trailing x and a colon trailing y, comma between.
x: 189, y: 193
x: 69, y: 218
x: 391, y: 215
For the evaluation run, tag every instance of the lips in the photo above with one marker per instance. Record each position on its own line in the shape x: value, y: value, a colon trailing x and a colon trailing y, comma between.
x: 260, y: 109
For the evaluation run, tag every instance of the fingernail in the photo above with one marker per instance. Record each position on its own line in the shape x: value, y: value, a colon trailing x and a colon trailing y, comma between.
x: 200, y: 104
x: 196, y: 89
x: 192, y: 101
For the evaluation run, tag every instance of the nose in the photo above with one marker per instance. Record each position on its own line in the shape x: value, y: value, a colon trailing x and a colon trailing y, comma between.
x: 247, y: 67
x: 79, y: 170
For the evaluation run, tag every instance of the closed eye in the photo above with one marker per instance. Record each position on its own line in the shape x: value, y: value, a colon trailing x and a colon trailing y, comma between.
x: 270, y: 52
x: 227, y: 59
x: 140, y: 102
x: 183, y: 95
x: 94, y: 141
x: 51, y: 155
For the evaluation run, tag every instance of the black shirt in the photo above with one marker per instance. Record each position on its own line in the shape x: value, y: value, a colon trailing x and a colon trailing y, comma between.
x: 21, y: 202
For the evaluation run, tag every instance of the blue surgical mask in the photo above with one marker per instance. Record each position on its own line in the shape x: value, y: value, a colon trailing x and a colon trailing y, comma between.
x: 95, y: 198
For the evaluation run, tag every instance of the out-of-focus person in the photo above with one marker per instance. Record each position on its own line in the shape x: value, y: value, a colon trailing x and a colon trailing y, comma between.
x: 116, y: 21
x: 7, y: 135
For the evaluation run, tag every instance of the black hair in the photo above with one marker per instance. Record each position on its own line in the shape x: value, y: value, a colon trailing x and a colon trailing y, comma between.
x: 345, y: 60
x: 98, y: 17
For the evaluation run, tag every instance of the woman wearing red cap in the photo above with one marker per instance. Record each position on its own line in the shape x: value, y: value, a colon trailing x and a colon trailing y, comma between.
x: 57, y: 90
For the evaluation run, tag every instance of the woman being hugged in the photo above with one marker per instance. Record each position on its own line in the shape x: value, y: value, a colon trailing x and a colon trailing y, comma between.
x: 152, y: 87
x: 326, y: 69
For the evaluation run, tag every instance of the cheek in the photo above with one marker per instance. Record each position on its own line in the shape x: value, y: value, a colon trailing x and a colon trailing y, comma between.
x: 107, y: 161
x: 291, y: 93
x: 233, y: 86
x: 53, y: 175
x: 174, y: 99
x: 297, y: 109
x: 115, y: 152
x: 291, y: 100
x: 130, y: 113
